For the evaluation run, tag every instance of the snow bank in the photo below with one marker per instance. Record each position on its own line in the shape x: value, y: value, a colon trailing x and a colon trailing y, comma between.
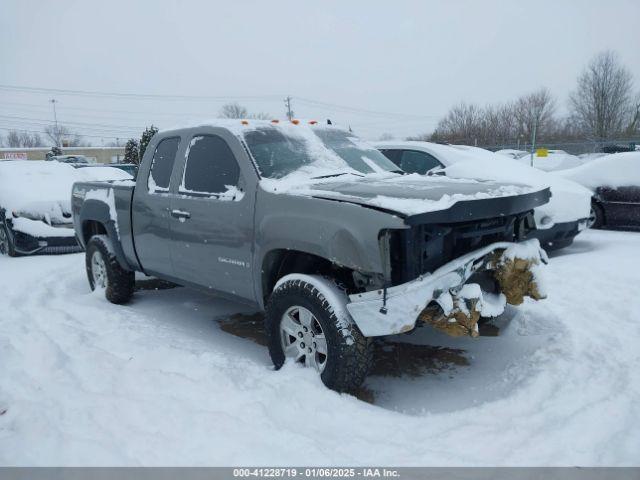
x: 42, y: 190
x: 158, y: 383
x: 615, y: 170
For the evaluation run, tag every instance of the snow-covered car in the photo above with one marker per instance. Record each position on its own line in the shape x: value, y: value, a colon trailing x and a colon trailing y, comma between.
x: 80, y: 159
x: 555, y: 160
x: 35, y: 205
x: 512, y: 153
x: 556, y: 223
x: 614, y: 181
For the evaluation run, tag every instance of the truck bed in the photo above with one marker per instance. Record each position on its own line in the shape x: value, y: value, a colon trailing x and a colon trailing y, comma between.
x: 111, y: 202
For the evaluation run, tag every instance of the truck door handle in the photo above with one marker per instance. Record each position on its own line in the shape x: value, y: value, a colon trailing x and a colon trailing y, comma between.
x: 180, y: 214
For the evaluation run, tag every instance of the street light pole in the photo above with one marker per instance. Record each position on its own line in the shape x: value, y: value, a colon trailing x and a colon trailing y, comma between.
x: 533, y: 141
x: 55, y: 121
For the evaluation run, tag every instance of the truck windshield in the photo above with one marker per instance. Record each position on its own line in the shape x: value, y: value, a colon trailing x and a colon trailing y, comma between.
x: 315, y: 151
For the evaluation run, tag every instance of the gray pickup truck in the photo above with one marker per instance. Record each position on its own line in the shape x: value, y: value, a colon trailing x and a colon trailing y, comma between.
x: 319, y: 230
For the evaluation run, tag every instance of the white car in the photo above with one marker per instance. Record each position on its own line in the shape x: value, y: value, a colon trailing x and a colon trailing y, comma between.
x: 35, y: 205
x: 557, y: 222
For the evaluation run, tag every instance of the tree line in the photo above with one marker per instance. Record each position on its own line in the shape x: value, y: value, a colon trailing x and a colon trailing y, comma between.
x: 603, y: 106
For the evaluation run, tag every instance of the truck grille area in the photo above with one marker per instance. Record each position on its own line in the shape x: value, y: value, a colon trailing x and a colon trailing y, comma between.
x: 424, y: 248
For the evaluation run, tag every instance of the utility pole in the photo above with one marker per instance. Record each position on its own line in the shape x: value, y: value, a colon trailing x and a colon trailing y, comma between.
x: 287, y: 102
x: 533, y: 141
x: 55, y: 120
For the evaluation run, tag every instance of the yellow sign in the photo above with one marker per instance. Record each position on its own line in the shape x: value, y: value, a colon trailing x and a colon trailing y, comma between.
x: 542, y: 152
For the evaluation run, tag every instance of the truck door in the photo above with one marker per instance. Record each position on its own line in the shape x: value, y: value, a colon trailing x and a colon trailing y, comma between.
x: 212, y: 219
x: 150, y: 210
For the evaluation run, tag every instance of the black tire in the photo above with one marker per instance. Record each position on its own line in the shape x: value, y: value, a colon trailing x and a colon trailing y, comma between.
x: 6, y: 244
x: 597, y: 216
x: 349, y: 353
x: 120, y: 282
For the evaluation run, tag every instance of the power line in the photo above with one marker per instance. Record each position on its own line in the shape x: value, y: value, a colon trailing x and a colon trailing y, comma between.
x: 361, y: 110
x: 48, y: 122
x: 45, y: 133
x: 138, y: 96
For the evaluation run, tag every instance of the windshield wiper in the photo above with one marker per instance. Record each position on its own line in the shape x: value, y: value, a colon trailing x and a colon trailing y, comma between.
x: 337, y: 175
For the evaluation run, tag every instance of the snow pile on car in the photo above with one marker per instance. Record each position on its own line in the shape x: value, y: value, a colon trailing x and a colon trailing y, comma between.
x: 40, y: 190
x: 569, y: 201
x: 615, y: 170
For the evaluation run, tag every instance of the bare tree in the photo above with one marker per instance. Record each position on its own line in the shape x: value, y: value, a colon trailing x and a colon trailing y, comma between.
x: 386, y: 136
x: 22, y: 139
x: 461, y: 125
x: 601, y: 104
x: 63, y: 136
x: 633, y: 127
x: 235, y: 110
x: 534, y: 111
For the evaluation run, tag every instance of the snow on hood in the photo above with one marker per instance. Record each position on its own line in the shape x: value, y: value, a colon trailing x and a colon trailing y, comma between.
x: 614, y: 170
x: 41, y: 190
x: 405, y: 194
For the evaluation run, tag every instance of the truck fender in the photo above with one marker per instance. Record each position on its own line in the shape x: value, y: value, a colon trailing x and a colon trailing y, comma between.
x: 94, y: 210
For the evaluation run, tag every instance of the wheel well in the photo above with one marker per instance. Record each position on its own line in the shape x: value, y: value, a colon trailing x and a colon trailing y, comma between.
x: 278, y: 263
x: 91, y: 228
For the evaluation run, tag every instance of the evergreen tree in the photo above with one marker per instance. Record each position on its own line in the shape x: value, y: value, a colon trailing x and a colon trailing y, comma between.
x: 148, y: 133
x: 131, y: 152
x: 55, y: 150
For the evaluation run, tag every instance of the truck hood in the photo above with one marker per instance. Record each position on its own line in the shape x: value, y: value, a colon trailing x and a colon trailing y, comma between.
x: 418, y: 197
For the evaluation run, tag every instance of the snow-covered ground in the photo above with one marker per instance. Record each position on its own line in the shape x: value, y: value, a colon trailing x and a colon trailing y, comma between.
x: 170, y: 380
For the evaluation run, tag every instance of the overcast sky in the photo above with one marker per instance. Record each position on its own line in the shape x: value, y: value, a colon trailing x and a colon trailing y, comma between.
x: 394, y: 66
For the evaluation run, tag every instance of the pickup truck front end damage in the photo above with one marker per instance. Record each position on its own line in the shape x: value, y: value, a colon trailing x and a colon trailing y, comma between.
x: 453, y: 297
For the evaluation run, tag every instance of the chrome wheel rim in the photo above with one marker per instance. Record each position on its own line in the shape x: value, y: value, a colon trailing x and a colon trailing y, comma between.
x: 98, y: 270
x: 303, y: 339
x: 4, y: 242
x: 592, y: 218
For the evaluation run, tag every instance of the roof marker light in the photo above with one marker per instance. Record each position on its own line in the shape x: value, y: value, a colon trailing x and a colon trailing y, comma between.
x: 313, y: 122
x: 275, y: 120
x: 244, y: 122
x: 295, y: 122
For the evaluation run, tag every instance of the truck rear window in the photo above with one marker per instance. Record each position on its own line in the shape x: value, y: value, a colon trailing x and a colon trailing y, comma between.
x: 162, y: 164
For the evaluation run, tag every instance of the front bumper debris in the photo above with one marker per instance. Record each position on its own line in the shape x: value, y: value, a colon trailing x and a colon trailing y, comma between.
x: 445, y: 300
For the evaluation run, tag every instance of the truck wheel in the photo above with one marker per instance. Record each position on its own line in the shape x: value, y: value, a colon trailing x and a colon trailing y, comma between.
x: 303, y: 325
x: 596, y: 216
x: 104, y: 271
x: 6, y: 245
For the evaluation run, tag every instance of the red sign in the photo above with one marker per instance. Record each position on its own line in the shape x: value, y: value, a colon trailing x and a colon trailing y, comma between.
x: 15, y: 156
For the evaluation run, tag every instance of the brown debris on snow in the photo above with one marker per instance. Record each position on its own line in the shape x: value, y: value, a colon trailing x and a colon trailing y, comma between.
x: 515, y: 277
x: 516, y: 280
x: 461, y: 321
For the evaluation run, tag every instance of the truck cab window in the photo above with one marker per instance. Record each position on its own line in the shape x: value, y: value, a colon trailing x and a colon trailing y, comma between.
x: 162, y: 164
x: 418, y: 162
x: 211, y: 167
